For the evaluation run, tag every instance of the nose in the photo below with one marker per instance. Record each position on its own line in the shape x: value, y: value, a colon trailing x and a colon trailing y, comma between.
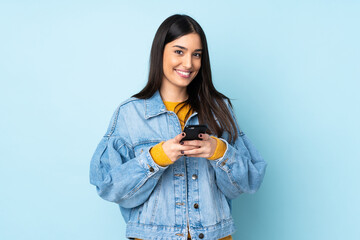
x: 187, y: 61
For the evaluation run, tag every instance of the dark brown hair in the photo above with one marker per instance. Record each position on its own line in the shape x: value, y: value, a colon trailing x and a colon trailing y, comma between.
x: 201, y: 90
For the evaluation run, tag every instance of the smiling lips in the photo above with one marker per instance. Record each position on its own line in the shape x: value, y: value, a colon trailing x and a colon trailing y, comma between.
x: 184, y: 74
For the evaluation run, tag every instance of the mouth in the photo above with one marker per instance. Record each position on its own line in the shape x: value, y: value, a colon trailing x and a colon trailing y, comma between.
x: 184, y: 74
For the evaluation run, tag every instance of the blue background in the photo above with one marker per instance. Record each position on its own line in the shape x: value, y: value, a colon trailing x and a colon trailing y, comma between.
x: 292, y: 69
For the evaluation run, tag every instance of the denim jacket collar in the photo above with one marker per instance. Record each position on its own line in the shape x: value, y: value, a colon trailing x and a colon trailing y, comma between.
x: 155, y: 106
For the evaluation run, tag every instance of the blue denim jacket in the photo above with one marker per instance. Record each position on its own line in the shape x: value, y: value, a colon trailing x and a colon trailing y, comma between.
x: 160, y: 202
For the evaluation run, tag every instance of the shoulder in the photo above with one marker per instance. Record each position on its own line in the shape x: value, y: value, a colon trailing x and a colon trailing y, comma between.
x: 130, y: 102
x: 129, y: 105
x: 227, y: 103
x: 231, y: 110
x: 126, y: 105
x: 124, y: 108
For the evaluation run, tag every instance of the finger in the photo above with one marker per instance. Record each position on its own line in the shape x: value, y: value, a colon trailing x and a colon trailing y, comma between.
x: 194, y: 143
x: 186, y: 148
x: 180, y: 136
x: 183, y: 149
x: 204, y: 136
x: 195, y: 155
x: 195, y: 151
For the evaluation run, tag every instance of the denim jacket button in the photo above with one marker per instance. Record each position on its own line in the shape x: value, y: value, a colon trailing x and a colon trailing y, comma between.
x: 196, y: 205
x: 151, y: 169
x: 201, y: 235
x: 194, y: 176
x: 222, y: 164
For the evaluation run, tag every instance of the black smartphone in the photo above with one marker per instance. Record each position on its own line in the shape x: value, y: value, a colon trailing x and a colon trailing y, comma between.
x: 192, y: 132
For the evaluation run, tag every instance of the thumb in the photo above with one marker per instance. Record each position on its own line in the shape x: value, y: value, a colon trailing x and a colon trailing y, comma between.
x: 204, y: 136
x: 178, y: 138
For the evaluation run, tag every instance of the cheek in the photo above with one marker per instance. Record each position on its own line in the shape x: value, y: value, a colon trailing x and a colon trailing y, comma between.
x: 197, y: 65
x: 173, y: 63
x: 167, y: 67
x: 169, y: 64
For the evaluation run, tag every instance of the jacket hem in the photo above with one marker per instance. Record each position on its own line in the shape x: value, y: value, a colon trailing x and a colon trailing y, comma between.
x: 160, y: 232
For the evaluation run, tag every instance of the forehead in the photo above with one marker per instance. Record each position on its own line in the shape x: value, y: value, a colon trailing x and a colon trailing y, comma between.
x: 190, y: 41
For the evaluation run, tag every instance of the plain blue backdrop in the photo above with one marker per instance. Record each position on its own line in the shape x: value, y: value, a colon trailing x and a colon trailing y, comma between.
x: 292, y: 69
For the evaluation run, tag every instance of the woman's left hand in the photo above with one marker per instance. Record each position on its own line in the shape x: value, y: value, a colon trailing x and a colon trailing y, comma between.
x: 206, y: 146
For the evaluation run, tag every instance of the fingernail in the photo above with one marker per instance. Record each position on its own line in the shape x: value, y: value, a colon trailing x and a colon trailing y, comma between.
x: 182, y: 143
x: 182, y: 152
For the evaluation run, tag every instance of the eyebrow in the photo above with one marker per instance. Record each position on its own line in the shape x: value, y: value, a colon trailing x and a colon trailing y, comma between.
x: 196, y: 50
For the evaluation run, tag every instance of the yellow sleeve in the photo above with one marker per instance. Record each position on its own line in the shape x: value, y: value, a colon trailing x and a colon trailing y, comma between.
x: 220, y: 149
x: 159, y: 156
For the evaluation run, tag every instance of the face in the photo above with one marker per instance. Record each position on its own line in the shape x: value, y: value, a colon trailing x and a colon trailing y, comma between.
x: 182, y: 60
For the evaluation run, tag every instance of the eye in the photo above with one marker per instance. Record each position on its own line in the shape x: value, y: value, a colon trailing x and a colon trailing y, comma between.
x: 178, y: 51
x: 197, y: 54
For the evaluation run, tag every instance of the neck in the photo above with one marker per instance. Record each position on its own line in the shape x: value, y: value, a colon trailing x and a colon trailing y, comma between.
x: 173, y: 94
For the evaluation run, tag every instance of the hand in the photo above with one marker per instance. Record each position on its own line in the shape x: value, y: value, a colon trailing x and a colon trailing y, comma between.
x: 202, y: 148
x: 174, y: 149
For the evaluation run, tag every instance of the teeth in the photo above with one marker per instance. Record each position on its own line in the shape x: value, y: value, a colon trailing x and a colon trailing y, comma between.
x: 184, y: 73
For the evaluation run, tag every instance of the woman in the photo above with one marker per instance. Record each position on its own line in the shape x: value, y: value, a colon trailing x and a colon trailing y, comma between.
x: 167, y: 188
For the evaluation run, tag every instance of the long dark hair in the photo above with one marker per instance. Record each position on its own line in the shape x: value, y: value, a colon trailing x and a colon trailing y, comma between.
x: 201, y: 90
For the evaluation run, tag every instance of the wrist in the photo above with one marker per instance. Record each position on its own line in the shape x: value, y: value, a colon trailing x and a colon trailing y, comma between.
x: 219, y: 150
x: 159, y: 156
x: 213, y: 146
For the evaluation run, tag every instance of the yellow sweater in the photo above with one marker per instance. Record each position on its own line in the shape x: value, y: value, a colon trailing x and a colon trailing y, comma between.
x: 162, y: 159
x: 157, y: 151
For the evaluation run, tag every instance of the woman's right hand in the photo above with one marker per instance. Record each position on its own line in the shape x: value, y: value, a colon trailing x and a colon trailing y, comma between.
x: 174, y: 149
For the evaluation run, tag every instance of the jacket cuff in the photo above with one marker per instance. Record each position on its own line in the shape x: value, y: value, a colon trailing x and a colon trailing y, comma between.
x: 153, y: 170
x: 226, y: 160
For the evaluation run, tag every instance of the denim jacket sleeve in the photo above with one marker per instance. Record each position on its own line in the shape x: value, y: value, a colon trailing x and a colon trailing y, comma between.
x: 119, y: 175
x: 241, y: 169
